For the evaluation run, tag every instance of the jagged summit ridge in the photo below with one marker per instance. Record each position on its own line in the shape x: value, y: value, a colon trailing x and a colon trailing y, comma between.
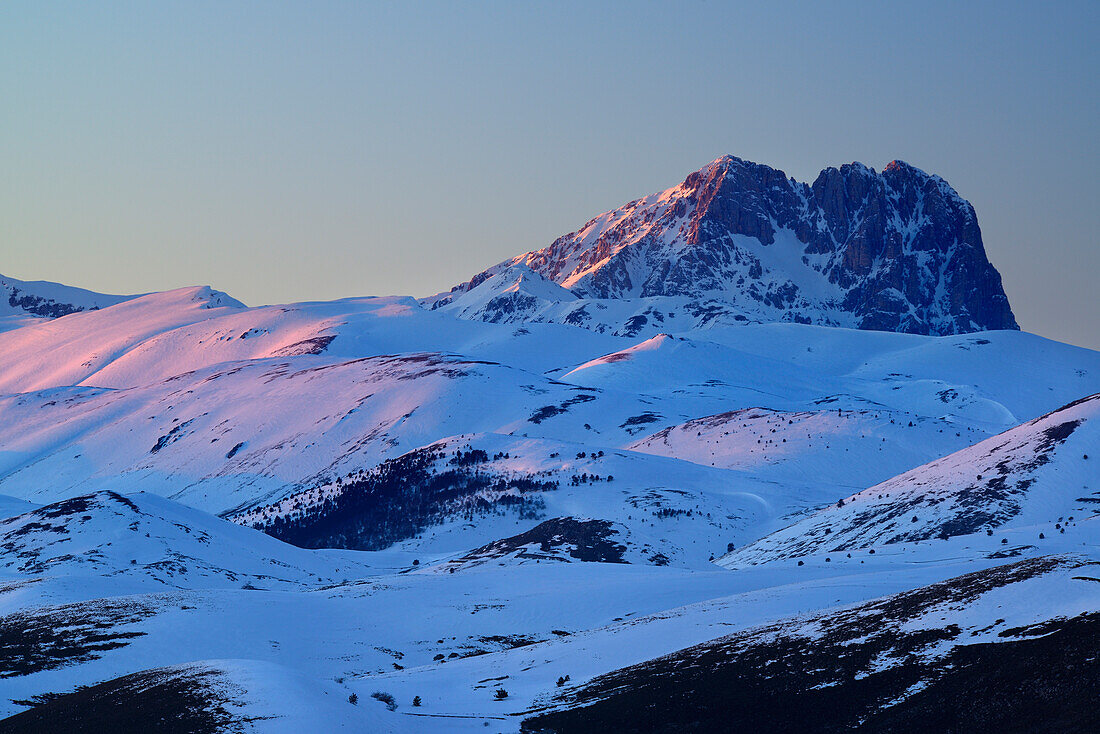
x: 898, y: 250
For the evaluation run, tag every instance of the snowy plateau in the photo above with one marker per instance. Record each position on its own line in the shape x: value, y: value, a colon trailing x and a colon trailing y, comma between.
x: 745, y: 455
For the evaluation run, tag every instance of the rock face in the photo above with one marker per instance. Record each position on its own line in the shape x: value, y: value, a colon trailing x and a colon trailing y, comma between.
x: 898, y: 250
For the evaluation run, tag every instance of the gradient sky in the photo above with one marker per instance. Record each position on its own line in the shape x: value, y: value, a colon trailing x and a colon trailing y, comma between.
x: 293, y: 151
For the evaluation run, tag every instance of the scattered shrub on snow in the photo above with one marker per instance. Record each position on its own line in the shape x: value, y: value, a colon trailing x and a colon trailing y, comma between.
x: 385, y: 698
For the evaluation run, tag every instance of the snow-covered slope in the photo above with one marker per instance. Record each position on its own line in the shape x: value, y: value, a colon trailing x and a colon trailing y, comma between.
x: 455, y: 638
x: 737, y: 241
x: 664, y: 363
x: 853, y: 448
x: 557, y: 540
x: 1038, y: 475
x: 994, y: 379
x: 244, y: 432
x: 12, y: 506
x: 74, y: 349
x: 161, y: 335
x: 236, y: 407
x: 203, y: 696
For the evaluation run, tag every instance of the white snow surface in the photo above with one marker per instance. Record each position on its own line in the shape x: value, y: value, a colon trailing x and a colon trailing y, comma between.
x: 128, y: 430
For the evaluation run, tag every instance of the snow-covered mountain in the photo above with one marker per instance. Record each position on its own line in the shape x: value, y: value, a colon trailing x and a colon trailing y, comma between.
x: 738, y: 241
x: 585, y: 491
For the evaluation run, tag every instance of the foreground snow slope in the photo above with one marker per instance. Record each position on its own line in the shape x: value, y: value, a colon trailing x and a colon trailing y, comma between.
x: 926, y: 659
x: 204, y: 696
x: 501, y: 623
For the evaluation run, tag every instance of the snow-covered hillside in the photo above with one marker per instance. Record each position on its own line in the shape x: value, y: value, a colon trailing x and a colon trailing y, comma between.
x: 141, y: 542
x: 24, y: 302
x: 471, y: 490
x: 855, y: 448
x: 1039, y: 475
x: 50, y: 300
x: 71, y: 350
x: 921, y: 660
x: 453, y: 631
x: 239, y: 433
x: 190, y: 395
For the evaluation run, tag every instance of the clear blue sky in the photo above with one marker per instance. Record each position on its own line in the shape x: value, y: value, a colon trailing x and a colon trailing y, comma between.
x: 290, y: 151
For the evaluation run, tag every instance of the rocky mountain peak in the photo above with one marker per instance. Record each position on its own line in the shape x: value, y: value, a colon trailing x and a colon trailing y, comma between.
x: 898, y: 166
x: 741, y: 241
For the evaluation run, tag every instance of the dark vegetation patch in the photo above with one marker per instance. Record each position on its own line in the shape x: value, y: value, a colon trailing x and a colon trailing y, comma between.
x: 578, y: 316
x: 632, y: 326
x: 1056, y: 434
x: 707, y: 311
x: 635, y: 423
x: 314, y: 345
x: 171, y: 437
x: 41, y: 306
x: 616, y: 357
x: 584, y: 540
x: 82, y: 504
x: 549, y: 411
x: 47, y: 638
x: 857, y: 671
x: 947, y: 396
x: 17, y: 584
x: 506, y: 642
x: 161, y: 701
x: 402, y: 496
x: 500, y: 308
